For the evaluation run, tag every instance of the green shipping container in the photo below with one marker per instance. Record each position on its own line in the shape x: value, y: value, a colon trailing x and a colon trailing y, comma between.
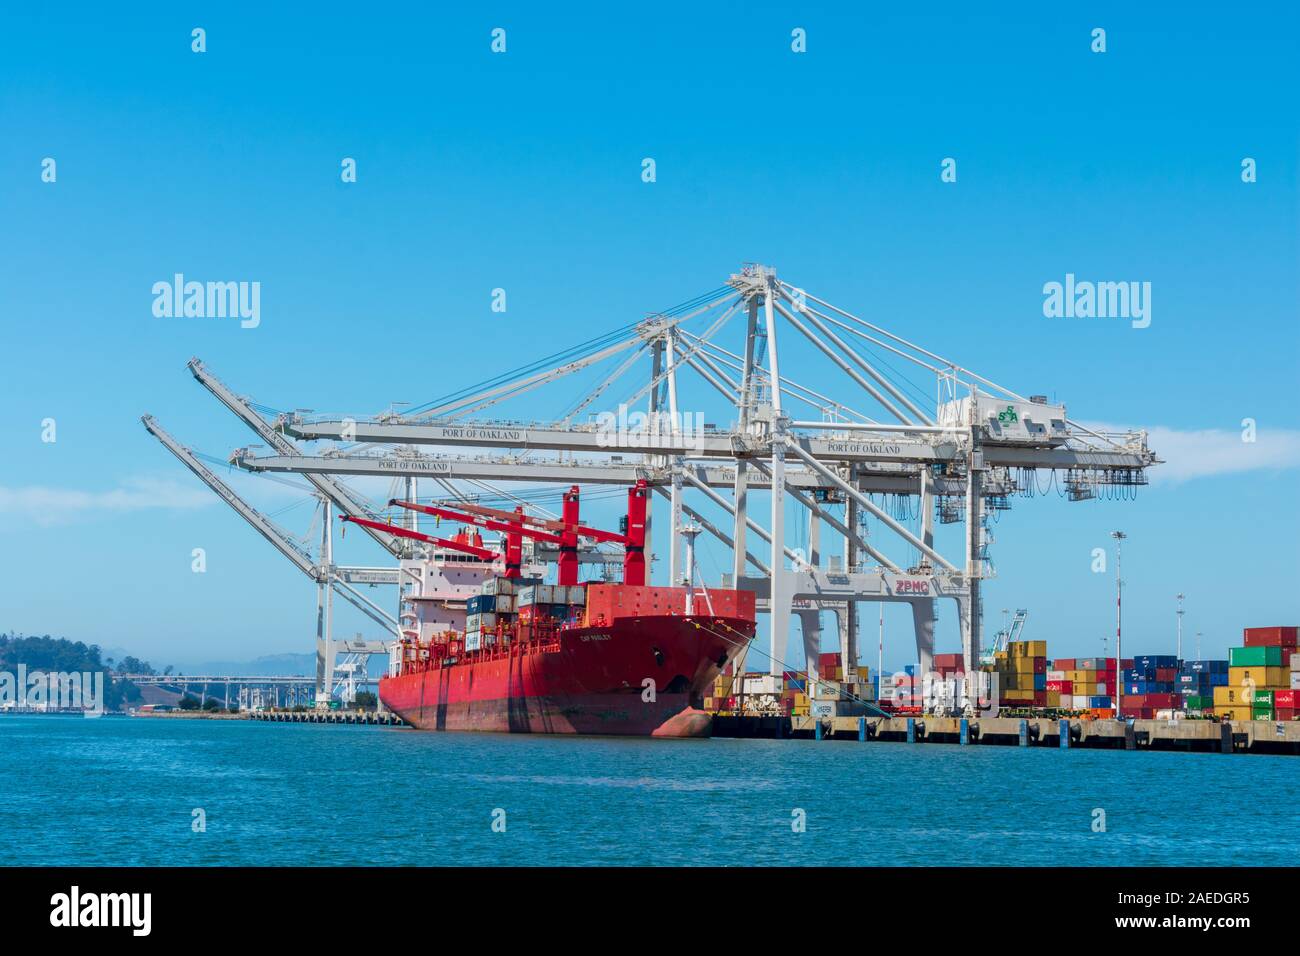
x: 1255, y: 656
x: 1262, y: 698
x: 1262, y: 711
x: 1195, y: 702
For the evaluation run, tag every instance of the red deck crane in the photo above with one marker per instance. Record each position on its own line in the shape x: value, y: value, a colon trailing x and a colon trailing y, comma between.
x: 449, y: 543
x: 515, y: 525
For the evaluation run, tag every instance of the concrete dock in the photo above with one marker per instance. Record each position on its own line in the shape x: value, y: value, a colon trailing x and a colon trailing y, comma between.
x: 328, y: 717
x: 1249, y: 736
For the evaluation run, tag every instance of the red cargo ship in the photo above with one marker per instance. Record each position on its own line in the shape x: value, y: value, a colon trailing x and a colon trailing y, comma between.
x: 569, y: 658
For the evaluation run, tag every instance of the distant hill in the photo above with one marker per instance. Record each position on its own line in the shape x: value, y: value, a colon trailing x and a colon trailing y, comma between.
x: 59, y: 655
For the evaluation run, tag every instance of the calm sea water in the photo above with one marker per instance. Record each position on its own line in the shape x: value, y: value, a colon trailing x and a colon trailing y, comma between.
x: 123, y: 791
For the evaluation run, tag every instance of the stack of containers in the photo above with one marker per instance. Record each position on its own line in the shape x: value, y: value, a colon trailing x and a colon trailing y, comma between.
x: 480, y: 621
x: 901, y: 690
x: 1092, y: 682
x: 1287, y: 703
x: 719, y: 697
x: 1196, y: 683
x: 1150, y: 684
x: 1022, y: 677
x: 552, y: 601
x: 794, y: 693
x: 1060, y: 683
x: 1257, y: 671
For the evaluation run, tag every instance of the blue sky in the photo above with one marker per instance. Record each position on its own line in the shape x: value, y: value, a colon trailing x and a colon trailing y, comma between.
x: 522, y: 171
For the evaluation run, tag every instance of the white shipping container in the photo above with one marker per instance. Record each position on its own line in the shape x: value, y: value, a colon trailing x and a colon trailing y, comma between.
x: 822, y: 708
x: 506, y: 604
x: 528, y: 596
x: 1295, y: 680
x: 472, y: 641
x: 763, y: 684
x: 1056, y: 675
x: 1101, y: 689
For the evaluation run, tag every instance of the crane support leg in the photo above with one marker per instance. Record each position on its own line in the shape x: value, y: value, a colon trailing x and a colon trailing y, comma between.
x: 923, y: 625
x: 810, y: 626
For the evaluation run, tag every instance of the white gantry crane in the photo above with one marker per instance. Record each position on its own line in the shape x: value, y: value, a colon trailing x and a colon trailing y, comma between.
x: 959, y: 447
x: 330, y: 579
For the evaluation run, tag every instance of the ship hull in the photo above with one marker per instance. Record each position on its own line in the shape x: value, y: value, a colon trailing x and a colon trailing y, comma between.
x: 634, y: 677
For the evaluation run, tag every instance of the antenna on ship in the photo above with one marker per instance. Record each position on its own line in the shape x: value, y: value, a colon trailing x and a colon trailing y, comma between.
x: 690, y: 532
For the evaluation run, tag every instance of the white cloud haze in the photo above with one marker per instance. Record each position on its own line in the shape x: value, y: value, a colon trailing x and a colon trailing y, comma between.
x: 1214, y: 451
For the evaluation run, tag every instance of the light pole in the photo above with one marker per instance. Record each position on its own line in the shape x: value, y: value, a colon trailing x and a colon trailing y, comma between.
x: 1119, y: 537
x: 1178, y: 654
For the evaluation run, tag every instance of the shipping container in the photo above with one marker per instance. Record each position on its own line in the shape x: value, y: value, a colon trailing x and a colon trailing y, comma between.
x: 1255, y: 657
x: 1271, y: 636
x: 1259, y: 676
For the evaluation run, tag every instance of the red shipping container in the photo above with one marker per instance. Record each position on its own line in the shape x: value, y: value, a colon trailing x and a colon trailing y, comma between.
x: 1161, y: 701
x: 1040, y: 665
x: 1040, y: 698
x: 828, y: 660
x: 1064, y: 686
x: 1065, y: 664
x: 1286, y: 698
x: 1271, y: 636
x: 1166, y: 675
x: 1286, y: 713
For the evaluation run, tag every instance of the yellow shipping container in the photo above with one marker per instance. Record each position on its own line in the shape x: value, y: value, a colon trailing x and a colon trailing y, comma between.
x: 1233, y: 713
x: 1277, y: 678
x: 1236, y: 696
x: 1053, y: 698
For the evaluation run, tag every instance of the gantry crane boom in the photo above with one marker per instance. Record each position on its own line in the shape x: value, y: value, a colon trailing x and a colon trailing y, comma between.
x: 297, y: 554
x: 344, y: 499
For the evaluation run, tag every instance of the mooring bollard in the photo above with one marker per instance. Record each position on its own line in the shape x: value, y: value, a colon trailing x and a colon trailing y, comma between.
x: 1065, y: 734
x: 911, y: 730
x: 1024, y: 733
x: 862, y: 728
x: 965, y: 731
